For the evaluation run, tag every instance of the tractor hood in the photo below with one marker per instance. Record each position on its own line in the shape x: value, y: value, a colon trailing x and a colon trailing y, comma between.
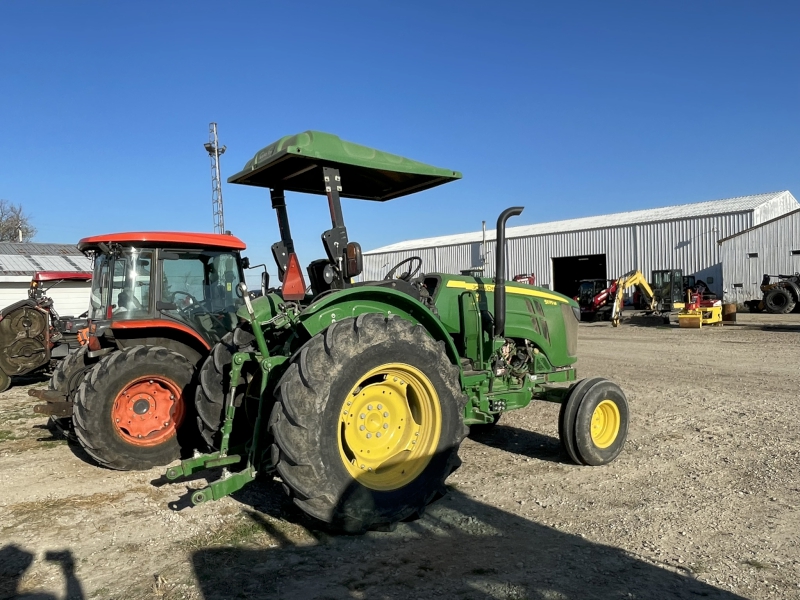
x: 294, y: 163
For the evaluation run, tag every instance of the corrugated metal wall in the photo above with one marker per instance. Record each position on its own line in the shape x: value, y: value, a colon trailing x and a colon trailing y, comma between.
x: 767, y: 249
x: 688, y: 244
x: 774, y: 208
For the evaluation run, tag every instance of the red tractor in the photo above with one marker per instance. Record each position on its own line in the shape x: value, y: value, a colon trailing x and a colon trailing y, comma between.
x: 595, y: 297
x: 159, y: 302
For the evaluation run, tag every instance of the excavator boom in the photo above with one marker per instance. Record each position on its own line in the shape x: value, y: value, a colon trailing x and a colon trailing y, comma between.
x: 624, y: 283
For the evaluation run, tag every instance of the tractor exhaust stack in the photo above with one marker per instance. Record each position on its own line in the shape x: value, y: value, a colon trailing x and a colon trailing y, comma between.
x: 500, y: 270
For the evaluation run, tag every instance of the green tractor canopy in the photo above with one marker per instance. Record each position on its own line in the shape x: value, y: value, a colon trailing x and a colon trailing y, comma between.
x: 291, y: 164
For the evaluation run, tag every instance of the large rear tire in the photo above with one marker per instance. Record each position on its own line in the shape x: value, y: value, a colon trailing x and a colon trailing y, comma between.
x: 214, y: 384
x: 779, y: 301
x: 130, y: 407
x: 367, y: 423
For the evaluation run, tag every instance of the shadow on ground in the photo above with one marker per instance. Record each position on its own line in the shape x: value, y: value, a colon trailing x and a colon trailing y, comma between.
x: 460, y: 549
x: 522, y: 442
x: 14, y: 562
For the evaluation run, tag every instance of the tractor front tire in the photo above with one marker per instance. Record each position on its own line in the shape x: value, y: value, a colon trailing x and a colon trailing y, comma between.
x: 779, y: 301
x: 130, y: 406
x: 593, y: 423
x: 367, y: 423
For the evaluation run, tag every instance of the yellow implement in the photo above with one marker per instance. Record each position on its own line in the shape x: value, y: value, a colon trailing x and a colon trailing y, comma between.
x: 697, y: 313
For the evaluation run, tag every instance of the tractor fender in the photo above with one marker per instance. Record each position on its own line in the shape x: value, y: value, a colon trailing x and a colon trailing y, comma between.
x: 174, y: 336
x: 373, y: 299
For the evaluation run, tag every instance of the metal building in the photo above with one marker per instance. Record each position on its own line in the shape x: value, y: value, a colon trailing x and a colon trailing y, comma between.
x: 19, y: 261
x: 561, y: 253
x: 772, y: 247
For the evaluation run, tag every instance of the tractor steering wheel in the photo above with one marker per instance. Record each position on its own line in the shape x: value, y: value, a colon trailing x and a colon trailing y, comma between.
x: 415, y: 264
x: 188, y: 301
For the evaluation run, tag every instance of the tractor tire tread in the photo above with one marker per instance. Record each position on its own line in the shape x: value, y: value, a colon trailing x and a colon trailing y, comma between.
x: 295, y: 423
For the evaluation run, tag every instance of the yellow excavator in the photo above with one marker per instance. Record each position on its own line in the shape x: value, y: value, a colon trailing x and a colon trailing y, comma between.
x: 624, y: 283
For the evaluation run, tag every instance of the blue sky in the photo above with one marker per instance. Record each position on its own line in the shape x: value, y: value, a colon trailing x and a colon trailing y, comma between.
x: 568, y: 108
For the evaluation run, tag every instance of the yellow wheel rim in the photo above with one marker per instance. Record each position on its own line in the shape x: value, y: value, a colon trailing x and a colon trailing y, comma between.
x: 605, y: 424
x: 389, y: 426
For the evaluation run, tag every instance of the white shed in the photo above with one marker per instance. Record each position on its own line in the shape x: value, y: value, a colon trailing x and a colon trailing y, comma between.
x: 561, y: 253
x: 19, y: 261
x: 772, y: 248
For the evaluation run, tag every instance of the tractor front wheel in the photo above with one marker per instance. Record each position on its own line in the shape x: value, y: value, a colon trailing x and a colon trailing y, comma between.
x: 130, y: 406
x: 367, y: 423
x: 593, y: 422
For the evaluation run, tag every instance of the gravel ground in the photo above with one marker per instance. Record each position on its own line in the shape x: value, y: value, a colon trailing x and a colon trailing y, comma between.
x: 701, y: 503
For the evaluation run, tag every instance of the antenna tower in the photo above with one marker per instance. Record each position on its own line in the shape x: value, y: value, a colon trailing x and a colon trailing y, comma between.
x: 215, y: 151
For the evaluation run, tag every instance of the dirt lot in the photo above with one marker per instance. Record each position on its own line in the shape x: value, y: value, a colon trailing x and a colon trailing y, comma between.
x: 702, y: 502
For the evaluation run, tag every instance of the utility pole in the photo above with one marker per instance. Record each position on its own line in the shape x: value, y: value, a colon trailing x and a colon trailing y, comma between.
x: 215, y: 151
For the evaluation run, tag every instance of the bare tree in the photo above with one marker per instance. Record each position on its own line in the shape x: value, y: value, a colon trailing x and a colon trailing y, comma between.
x: 13, y: 221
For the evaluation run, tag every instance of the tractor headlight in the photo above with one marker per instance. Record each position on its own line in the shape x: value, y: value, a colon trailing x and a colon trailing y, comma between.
x: 577, y: 312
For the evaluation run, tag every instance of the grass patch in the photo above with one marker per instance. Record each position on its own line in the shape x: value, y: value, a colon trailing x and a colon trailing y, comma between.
x: 7, y: 436
x: 245, y: 530
x: 43, y: 511
x: 757, y: 564
x: 236, y: 534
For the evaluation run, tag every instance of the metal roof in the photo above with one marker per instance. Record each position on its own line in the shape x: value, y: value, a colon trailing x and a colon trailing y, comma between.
x: 778, y: 218
x: 27, y: 258
x: 649, y: 215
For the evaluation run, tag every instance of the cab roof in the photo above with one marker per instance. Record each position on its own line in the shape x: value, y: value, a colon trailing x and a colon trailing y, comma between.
x: 61, y: 275
x: 164, y: 238
x: 294, y: 163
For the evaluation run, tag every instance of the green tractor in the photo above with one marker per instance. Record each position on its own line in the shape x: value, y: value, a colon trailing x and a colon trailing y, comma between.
x: 358, y: 394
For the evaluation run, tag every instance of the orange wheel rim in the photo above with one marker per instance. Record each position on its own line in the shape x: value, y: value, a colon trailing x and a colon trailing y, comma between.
x: 148, y: 411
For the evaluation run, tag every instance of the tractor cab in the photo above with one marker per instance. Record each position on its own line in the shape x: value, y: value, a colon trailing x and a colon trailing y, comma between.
x: 589, y: 288
x: 164, y: 280
x: 319, y: 163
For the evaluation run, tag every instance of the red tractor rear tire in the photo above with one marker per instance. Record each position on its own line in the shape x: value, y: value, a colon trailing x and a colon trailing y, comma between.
x: 130, y: 407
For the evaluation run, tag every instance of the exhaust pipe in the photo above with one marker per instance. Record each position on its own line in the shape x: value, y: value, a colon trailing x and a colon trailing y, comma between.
x: 500, y: 270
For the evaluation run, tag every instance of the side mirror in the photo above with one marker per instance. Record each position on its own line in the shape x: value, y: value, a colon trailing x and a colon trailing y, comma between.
x: 264, y: 282
x: 353, y: 260
x: 245, y: 262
